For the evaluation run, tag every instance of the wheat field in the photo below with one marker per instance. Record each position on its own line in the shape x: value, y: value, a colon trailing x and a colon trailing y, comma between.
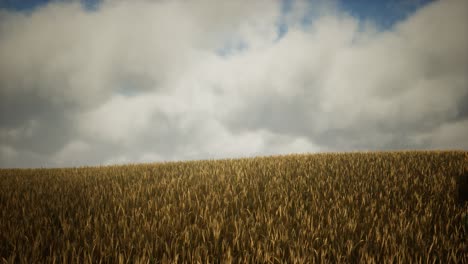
x: 376, y: 207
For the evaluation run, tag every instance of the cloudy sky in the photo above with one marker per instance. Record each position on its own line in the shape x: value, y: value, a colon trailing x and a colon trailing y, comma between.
x: 103, y: 82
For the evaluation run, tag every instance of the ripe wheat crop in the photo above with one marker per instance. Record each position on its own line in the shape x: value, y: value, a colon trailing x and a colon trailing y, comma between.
x: 381, y: 207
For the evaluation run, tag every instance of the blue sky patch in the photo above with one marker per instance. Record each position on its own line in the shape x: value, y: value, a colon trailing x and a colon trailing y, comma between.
x: 383, y: 13
x: 24, y: 5
x: 30, y: 5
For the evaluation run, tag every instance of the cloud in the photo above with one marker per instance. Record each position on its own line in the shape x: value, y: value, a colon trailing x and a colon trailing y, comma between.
x: 451, y: 135
x: 104, y: 124
x: 350, y: 88
x: 8, y: 152
x: 135, y: 81
x: 68, y: 154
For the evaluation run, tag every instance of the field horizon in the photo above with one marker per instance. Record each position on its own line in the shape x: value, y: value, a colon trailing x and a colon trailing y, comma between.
x: 364, y: 206
x: 120, y: 164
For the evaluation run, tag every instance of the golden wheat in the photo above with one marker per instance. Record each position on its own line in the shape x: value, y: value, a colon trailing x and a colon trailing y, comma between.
x: 383, y: 207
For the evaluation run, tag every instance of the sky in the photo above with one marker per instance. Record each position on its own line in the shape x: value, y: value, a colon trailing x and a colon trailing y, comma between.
x: 87, y: 83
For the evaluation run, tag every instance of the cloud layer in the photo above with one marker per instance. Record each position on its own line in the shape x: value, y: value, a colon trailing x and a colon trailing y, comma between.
x: 145, y: 81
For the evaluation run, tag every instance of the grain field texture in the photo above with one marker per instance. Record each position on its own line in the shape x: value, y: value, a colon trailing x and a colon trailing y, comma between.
x: 375, y: 207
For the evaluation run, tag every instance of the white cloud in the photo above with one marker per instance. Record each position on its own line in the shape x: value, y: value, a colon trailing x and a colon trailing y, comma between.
x: 116, y: 160
x: 8, y: 152
x: 72, y: 154
x: 296, y: 145
x: 118, y: 120
x: 451, y: 135
x: 144, y: 80
x: 151, y: 157
x: 25, y: 131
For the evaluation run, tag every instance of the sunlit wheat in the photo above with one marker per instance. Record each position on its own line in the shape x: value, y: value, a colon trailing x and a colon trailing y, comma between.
x: 387, y: 207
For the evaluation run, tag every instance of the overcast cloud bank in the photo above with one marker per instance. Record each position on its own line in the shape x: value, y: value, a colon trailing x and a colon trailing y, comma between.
x: 138, y: 81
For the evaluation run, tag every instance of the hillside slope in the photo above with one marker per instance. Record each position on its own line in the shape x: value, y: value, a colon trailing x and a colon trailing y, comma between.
x: 335, y: 207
